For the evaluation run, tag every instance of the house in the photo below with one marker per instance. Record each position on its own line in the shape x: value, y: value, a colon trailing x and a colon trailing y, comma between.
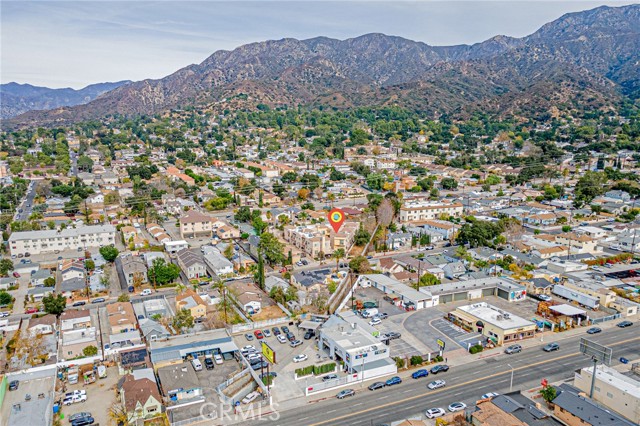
x: 42, y: 325
x: 573, y: 408
x: 75, y: 319
x: 454, y: 270
x: 40, y: 276
x: 196, y: 224
x: 179, y: 382
x: 152, y: 330
x: 121, y: 317
x: 133, y: 359
x: 539, y: 286
x: 72, y: 285
x: 441, y: 227
x: 38, y: 293
x: 132, y: 270
x: 512, y: 409
x: 192, y: 264
x: 227, y: 232
x: 140, y: 398
x: 248, y: 296
x: 218, y: 264
x: 272, y: 281
x: 7, y: 282
x: 71, y: 269
x: 191, y: 301
x: 75, y: 341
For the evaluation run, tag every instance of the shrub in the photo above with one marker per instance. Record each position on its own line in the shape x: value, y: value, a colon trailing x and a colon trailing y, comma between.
x: 475, y: 349
x: 439, y: 358
x: 416, y: 360
x: 267, y: 380
x: 399, y: 362
x: 325, y: 368
x: 304, y: 371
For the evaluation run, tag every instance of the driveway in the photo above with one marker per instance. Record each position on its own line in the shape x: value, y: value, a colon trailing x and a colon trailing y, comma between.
x: 455, y: 333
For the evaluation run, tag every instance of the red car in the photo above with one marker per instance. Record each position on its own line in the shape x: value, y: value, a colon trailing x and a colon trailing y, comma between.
x: 258, y: 334
x: 31, y: 310
x: 17, y: 275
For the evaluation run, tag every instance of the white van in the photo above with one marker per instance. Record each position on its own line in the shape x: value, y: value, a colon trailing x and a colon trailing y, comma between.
x: 197, y: 365
x: 368, y: 313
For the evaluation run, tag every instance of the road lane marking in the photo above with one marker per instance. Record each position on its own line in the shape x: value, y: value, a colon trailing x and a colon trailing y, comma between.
x: 404, y: 401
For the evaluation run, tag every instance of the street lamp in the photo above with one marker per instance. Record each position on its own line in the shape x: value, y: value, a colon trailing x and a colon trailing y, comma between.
x: 511, y: 383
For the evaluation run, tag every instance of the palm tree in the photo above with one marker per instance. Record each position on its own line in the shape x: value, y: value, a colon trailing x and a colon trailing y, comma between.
x: 337, y: 255
x: 225, y: 303
x: 180, y: 288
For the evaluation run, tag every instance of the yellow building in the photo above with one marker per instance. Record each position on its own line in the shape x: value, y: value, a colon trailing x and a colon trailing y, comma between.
x: 193, y: 302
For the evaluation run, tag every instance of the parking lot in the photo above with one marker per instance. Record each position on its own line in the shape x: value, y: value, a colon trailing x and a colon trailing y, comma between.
x: 17, y: 411
x: 370, y: 294
x: 100, y: 395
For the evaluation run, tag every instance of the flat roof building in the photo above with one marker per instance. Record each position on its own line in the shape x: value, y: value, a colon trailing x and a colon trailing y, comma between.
x: 175, y: 349
x: 49, y: 241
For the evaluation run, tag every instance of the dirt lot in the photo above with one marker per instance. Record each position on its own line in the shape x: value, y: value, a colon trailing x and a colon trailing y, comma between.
x: 268, y: 312
x: 100, y: 396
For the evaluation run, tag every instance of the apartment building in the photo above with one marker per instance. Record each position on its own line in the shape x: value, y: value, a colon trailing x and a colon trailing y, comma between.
x: 577, y: 243
x: 318, y: 239
x: 50, y: 241
x: 418, y: 211
x: 196, y: 224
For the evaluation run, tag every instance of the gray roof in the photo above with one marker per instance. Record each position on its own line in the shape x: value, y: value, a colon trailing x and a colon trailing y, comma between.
x: 190, y: 258
x: 41, y: 274
x: 523, y: 409
x: 309, y: 278
x: 541, y: 282
x: 149, y: 326
x: 72, y: 284
x: 179, y: 376
x: 68, y: 232
x: 523, y: 257
x: 216, y: 260
x: 586, y: 409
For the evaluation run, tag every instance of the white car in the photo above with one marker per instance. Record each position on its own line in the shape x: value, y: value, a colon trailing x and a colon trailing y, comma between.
x: 375, y: 321
x: 74, y: 399
x: 300, y: 358
x: 489, y: 395
x: 432, y: 413
x: 250, y: 397
x: 145, y: 292
x: 436, y: 384
x: 248, y: 348
x: 457, y: 406
x: 218, y: 359
x: 74, y: 393
x: 282, y: 338
x: 253, y: 356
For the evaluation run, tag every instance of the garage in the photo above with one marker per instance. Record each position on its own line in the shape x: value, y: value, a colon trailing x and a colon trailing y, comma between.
x: 446, y: 298
x: 460, y: 296
x: 487, y: 292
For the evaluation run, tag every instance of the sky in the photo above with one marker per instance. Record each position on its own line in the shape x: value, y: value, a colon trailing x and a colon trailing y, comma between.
x: 75, y: 43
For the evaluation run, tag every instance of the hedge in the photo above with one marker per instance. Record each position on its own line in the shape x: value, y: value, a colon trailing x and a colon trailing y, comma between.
x: 475, y: 349
x: 416, y: 360
x: 315, y: 369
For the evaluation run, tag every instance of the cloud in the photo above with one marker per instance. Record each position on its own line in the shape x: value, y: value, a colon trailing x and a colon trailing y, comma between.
x: 75, y: 43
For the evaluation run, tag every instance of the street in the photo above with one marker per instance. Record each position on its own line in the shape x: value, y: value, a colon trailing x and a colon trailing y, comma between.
x: 465, y: 383
x: 26, y: 206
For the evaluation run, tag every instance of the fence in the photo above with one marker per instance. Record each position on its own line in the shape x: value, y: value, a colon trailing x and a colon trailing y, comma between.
x: 605, y: 319
x: 240, y: 328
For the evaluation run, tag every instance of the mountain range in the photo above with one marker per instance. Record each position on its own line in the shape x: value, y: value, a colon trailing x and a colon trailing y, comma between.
x: 588, y: 59
x: 19, y: 98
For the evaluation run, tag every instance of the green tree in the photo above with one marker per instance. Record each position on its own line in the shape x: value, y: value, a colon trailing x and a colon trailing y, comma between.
x: 5, y: 298
x: 109, y: 253
x: 50, y: 282
x: 360, y: 265
x: 123, y: 297
x: 90, y: 351
x: 161, y: 273
x: 243, y: 214
x: 337, y: 255
x: 449, y: 183
x: 183, y: 320
x: 90, y: 264
x: 291, y: 293
x: 54, y: 304
x: 228, y: 252
x: 361, y: 237
x: 548, y: 393
x: 6, y: 265
x: 479, y: 233
x: 589, y: 186
x: 278, y: 295
x: 225, y: 304
x: 428, y: 279
x: 271, y: 248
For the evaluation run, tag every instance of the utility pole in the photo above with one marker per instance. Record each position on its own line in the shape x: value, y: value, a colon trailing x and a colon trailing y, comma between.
x: 593, y: 376
x: 511, y: 382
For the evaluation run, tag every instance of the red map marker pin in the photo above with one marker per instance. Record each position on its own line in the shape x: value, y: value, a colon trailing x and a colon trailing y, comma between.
x: 336, y: 218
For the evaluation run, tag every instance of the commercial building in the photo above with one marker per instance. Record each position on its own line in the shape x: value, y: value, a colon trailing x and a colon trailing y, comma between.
x: 398, y: 292
x: 476, y: 289
x: 418, y: 211
x: 573, y: 408
x: 497, y: 325
x: 50, y: 241
x: 617, y: 391
x: 176, y: 349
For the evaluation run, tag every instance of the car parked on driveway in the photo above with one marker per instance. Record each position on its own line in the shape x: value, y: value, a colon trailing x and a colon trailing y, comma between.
x: 594, y: 330
x: 437, y: 384
x: 551, y: 347
x: 420, y: 373
x: 432, y: 413
x: 345, y: 393
x: 376, y: 385
x: 439, y: 368
x: 395, y: 380
x: 624, y: 324
x: 513, y: 349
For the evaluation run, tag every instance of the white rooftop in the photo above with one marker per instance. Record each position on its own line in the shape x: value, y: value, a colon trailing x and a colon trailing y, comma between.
x: 616, y: 379
x: 567, y: 310
x: 495, y: 316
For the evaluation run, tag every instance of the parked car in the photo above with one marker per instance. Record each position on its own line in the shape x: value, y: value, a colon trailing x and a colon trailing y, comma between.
x: 248, y: 336
x: 375, y: 321
x: 80, y: 303
x: 74, y: 399
x: 432, y: 413
x: 146, y: 292
x: 260, y: 365
x: 544, y: 297
x: 75, y: 392
x: 329, y: 377
x: 258, y: 334
x: 31, y: 311
x: 250, y: 397
x: 276, y: 331
x: 437, y: 384
x: 83, y: 421
x: 295, y: 343
x: 345, y: 393
x: 513, y: 349
x: 594, y: 330
x: 439, y: 368
x: 284, y: 329
x: 309, y: 334
x: 99, y: 300
x: 551, y: 347
x: 291, y: 337
x: 624, y: 324
x: 282, y: 339
x: 489, y: 395
x: 300, y: 358
x: 270, y: 373
x: 217, y: 358
x: 383, y: 316
x: 248, y: 348
x: 14, y: 385
x: 266, y: 332
x: 4, y: 314
x: 395, y: 380
x: 16, y: 275
x: 393, y: 335
x: 420, y: 373
x: 208, y: 362
x: 78, y: 416
x: 457, y: 406
x: 376, y: 385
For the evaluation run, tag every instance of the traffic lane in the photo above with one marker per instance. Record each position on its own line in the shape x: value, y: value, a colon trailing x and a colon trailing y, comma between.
x: 554, y: 366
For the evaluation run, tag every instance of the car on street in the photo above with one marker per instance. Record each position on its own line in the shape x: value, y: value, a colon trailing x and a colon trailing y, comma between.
x: 513, y: 349
x: 276, y: 331
x: 594, y: 330
x: 146, y: 292
x: 420, y: 373
x: 98, y: 300
x: 376, y: 385
x: 329, y: 377
x: 432, y: 413
x: 14, y: 385
x: 551, y: 347
x: 395, y: 380
x: 16, y: 275
x: 258, y: 334
x: 4, y: 314
x: 375, y: 321
x: 295, y: 343
x: 439, y: 368
x: 248, y: 336
x: 489, y: 395
x: 31, y: 311
x: 544, y: 297
x: 624, y: 324
x: 266, y: 332
x: 80, y: 303
x: 298, y: 263
x: 250, y: 397
x: 208, y: 362
x: 345, y: 393
x: 456, y: 406
x: 282, y: 339
x: 437, y: 384
x: 300, y: 358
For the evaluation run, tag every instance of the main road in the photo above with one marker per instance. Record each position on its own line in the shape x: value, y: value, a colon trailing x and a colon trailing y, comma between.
x: 465, y: 383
